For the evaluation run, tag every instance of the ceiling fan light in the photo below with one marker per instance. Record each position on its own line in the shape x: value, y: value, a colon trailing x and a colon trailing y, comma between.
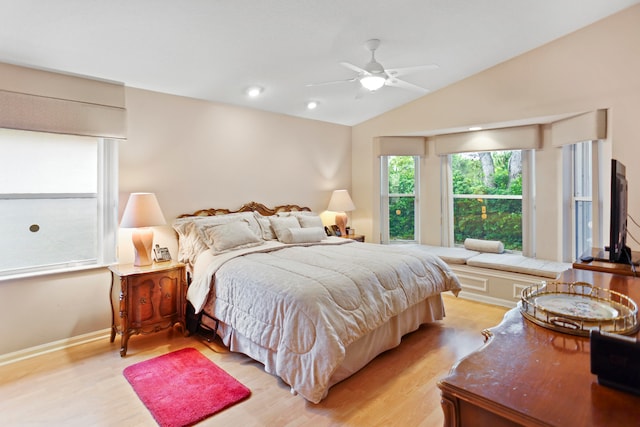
x: 372, y: 82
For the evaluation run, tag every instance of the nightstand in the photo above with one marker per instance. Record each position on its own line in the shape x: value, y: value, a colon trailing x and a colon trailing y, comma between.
x: 146, y: 299
x: 356, y: 237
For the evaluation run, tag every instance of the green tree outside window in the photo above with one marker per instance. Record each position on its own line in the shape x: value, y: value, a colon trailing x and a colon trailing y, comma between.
x: 487, y: 197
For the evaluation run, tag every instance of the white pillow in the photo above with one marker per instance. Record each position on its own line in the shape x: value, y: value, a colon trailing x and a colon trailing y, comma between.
x: 493, y: 246
x: 265, y: 226
x: 281, y: 224
x: 190, y: 244
x: 296, y: 213
x: 233, y: 235
x: 303, y: 235
x: 224, y: 219
x: 307, y: 221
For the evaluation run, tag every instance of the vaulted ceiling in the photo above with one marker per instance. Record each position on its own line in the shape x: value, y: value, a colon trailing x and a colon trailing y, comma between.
x: 216, y: 49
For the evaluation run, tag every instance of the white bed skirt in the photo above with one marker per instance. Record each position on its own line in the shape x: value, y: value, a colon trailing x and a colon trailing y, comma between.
x: 358, y: 353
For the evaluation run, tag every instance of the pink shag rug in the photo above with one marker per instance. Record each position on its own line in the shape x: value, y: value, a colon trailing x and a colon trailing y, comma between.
x: 183, y: 387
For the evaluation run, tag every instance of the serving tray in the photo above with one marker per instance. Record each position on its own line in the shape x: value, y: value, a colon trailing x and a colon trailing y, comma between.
x: 578, y: 307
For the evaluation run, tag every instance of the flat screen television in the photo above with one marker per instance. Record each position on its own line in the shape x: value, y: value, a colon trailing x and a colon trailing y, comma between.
x: 618, y: 250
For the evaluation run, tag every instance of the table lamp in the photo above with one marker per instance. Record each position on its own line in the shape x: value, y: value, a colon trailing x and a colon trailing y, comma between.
x: 141, y: 213
x: 340, y: 203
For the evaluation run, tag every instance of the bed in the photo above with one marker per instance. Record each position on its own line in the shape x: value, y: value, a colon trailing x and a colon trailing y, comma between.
x: 312, y: 309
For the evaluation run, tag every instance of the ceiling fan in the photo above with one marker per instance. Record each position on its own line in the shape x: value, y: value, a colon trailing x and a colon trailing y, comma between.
x: 374, y: 76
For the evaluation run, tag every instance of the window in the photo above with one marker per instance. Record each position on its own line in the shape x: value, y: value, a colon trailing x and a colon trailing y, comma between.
x: 582, y: 201
x: 582, y: 219
x: 58, y: 198
x: 487, y: 200
x: 399, y: 199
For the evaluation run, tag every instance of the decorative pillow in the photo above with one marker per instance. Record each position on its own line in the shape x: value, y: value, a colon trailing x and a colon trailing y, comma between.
x: 494, y: 246
x: 281, y: 224
x: 190, y: 245
x: 296, y: 213
x: 190, y: 241
x: 303, y: 235
x: 265, y: 226
x: 233, y: 235
x: 307, y: 221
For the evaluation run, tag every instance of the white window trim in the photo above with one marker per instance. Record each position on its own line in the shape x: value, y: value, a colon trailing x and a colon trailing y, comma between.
x: 384, y: 200
x: 446, y: 202
x: 107, y: 226
x: 528, y: 205
x: 568, y: 214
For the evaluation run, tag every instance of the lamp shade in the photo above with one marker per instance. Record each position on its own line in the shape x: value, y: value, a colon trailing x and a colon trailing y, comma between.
x: 341, y: 202
x: 142, y: 210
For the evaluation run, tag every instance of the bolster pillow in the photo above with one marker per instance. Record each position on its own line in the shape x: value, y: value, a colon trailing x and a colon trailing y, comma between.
x: 493, y: 246
x: 304, y: 235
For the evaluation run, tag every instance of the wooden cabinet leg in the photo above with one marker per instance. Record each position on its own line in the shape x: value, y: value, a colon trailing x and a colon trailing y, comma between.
x: 450, y: 409
x: 124, y: 343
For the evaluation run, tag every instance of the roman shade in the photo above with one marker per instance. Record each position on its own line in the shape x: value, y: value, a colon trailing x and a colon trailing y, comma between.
x: 512, y: 138
x: 44, y: 101
x: 399, y: 146
x: 588, y: 126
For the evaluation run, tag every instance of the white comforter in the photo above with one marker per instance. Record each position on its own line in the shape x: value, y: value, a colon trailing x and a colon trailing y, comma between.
x: 308, y: 303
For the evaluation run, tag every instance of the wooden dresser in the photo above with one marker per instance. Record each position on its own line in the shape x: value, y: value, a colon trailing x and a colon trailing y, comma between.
x: 529, y: 375
x: 146, y: 299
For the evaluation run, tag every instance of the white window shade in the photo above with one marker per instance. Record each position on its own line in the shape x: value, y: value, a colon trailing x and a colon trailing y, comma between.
x: 56, y: 103
x: 399, y: 146
x: 513, y: 138
x: 590, y: 126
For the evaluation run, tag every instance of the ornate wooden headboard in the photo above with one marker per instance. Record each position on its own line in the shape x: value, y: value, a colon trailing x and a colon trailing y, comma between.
x: 248, y: 207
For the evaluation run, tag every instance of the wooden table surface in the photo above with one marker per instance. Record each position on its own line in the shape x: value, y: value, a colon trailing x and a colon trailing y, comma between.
x: 531, y: 375
x: 599, y: 264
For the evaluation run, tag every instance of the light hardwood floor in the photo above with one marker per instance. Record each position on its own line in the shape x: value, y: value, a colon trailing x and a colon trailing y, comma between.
x: 84, y: 385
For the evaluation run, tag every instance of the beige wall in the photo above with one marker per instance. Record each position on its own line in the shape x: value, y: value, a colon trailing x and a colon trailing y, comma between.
x: 194, y: 155
x: 596, y: 67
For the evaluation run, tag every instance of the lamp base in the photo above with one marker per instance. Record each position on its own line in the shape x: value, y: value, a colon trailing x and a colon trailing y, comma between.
x: 142, y: 242
x: 341, y: 222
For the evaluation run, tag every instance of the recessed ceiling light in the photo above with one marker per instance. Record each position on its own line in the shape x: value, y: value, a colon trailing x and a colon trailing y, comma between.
x: 311, y: 105
x: 472, y: 128
x: 254, y: 91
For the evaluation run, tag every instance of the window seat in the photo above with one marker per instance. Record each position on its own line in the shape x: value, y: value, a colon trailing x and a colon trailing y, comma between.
x: 519, y: 264
x: 495, y: 278
x: 450, y: 255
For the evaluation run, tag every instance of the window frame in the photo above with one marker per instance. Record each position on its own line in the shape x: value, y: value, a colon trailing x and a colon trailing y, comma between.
x: 385, y: 196
x: 528, y: 194
x: 569, y: 220
x: 106, y: 197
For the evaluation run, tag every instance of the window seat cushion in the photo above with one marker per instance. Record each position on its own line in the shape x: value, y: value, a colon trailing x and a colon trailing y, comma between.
x: 519, y: 264
x: 449, y: 255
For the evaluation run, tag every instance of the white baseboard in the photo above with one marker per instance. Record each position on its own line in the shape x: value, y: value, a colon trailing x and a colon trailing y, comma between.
x: 28, y: 353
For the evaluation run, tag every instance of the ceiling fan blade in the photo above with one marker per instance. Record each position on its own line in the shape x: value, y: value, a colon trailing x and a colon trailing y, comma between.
x: 361, y: 93
x: 354, y: 68
x: 397, y: 72
x: 332, y: 82
x: 405, y: 85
